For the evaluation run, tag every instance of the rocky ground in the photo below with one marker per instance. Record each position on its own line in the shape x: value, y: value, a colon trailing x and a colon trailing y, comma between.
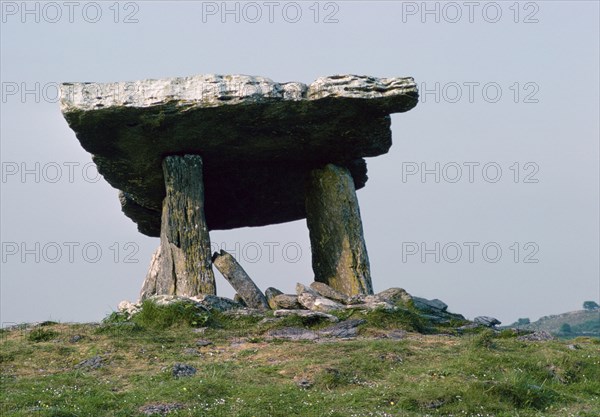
x: 391, y: 355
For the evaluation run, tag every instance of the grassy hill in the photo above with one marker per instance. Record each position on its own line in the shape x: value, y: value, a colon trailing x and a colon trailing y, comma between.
x: 581, y: 323
x: 395, y: 365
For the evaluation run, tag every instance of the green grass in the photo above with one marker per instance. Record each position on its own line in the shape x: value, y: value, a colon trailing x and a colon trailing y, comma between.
x: 245, y: 374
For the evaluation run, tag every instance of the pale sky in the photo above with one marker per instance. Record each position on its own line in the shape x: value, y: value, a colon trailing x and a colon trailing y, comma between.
x: 508, y: 120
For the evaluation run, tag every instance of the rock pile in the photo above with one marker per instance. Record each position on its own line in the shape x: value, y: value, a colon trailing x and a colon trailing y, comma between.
x: 315, y: 301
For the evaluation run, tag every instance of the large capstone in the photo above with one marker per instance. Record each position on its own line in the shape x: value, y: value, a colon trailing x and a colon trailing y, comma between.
x: 258, y: 139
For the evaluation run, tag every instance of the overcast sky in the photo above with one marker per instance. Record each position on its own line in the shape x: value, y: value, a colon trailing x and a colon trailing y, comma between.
x: 505, y: 135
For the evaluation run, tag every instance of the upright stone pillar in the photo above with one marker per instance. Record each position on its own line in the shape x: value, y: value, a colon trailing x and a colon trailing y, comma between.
x: 339, y: 254
x: 182, y: 265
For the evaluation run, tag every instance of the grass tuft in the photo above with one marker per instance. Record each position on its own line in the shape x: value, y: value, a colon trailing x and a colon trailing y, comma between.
x: 42, y: 335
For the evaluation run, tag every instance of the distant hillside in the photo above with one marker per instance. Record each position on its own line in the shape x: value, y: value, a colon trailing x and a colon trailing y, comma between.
x: 581, y: 323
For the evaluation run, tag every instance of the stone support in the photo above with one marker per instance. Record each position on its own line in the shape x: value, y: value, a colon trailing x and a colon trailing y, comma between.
x: 339, y: 254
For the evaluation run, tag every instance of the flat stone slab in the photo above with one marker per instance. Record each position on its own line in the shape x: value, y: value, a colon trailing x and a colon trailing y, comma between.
x: 258, y: 139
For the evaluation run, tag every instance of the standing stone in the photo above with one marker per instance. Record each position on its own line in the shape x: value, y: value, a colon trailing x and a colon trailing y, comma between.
x: 239, y: 280
x: 339, y: 254
x: 185, y: 263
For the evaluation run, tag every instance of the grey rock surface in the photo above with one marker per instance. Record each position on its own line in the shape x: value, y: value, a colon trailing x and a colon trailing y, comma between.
x: 94, y: 362
x: 215, y: 302
x: 537, y: 336
x: 270, y: 293
x: 203, y: 303
x: 372, y: 305
x: 240, y: 281
x: 160, y: 409
x: 342, y: 330
x: 203, y: 342
x: 245, y: 312
x: 149, y: 286
x: 318, y: 303
x: 326, y: 291
x: 258, y: 139
x: 183, y: 370
x: 301, y: 288
x: 395, y: 296
x: 306, y: 313
x: 427, y: 305
x: 285, y: 301
x: 239, y: 300
x: 292, y: 333
x: 486, y: 321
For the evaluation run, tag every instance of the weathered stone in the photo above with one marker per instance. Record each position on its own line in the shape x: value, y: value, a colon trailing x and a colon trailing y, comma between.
x: 285, y: 301
x: 305, y: 314
x: 239, y: 300
x: 339, y: 254
x: 214, y: 302
x: 239, y: 280
x: 487, y: 321
x: 395, y: 296
x: 203, y: 342
x: 371, y: 299
x: 342, y: 330
x: 372, y: 302
x: 326, y: 291
x: 536, y: 336
x: 94, y: 362
x: 182, y: 370
x: 372, y: 305
x: 429, y: 305
x: 356, y: 299
x: 292, y: 333
x: 149, y: 286
x: 183, y: 262
x: 200, y: 330
x: 270, y: 293
x: 318, y: 303
x: 128, y: 308
x: 396, y: 334
x: 160, y: 409
x: 301, y: 288
x: 191, y: 352
x: 258, y: 139
x: 199, y: 302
